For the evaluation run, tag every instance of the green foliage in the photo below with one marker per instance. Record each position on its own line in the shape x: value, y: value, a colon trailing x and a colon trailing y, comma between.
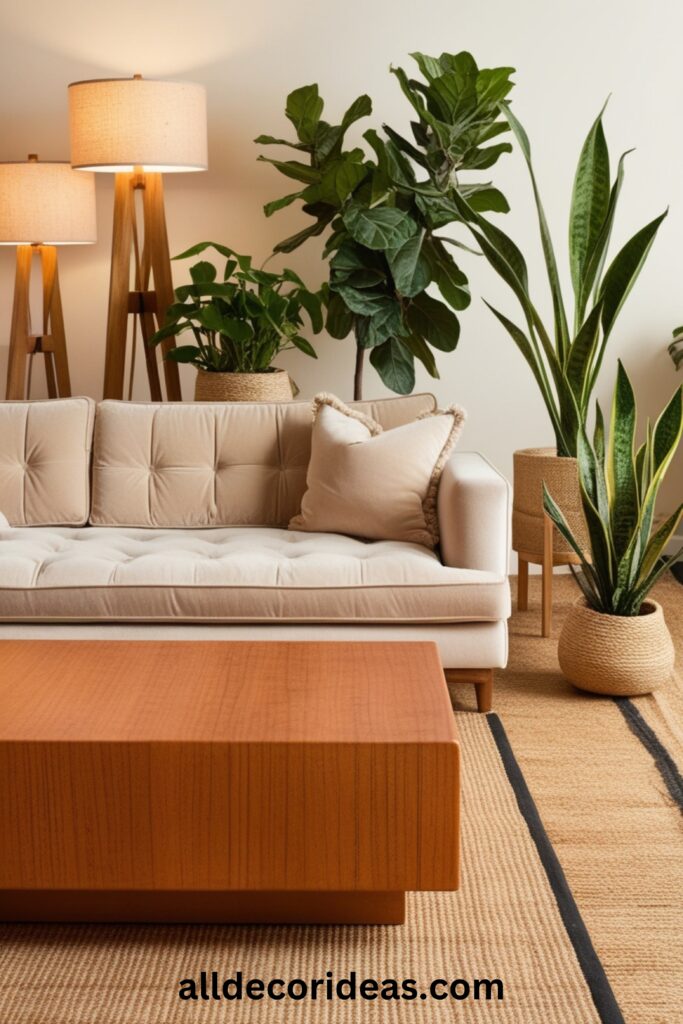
x: 241, y: 323
x: 565, y: 363
x: 676, y: 347
x: 619, y: 489
x: 382, y: 211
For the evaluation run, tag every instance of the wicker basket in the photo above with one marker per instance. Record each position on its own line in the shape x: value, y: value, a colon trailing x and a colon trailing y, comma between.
x: 271, y: 386
x: 533, y: 466
x: 622, y: 656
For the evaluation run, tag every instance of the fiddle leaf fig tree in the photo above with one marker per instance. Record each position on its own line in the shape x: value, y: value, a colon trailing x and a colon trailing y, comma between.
x: 384, y: 208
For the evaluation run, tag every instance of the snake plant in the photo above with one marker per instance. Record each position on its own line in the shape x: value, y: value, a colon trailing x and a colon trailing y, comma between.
x: 619, y: 486
x: 565, y: 359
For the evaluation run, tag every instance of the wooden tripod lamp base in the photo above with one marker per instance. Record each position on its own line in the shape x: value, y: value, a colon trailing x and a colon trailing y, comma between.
x: 51, y: 342
x: 152, y: 293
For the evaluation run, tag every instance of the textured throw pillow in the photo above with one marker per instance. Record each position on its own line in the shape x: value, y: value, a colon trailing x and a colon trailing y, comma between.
x: 380, y: 485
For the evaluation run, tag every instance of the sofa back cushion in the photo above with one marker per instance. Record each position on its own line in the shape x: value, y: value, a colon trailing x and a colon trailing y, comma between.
x: 45, y: 462
x: 194, y: 465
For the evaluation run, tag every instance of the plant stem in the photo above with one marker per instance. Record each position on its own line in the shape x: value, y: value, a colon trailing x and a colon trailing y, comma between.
x: 358, y: 374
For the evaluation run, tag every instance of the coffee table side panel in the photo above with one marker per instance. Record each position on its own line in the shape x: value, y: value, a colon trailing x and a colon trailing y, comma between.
x: 208, y: 816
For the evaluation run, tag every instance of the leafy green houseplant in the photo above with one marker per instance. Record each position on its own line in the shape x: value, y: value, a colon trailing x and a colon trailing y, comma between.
x: 240, y: 323
x: 385, y: 213
x: 565, y: 357
x: 619, y: 483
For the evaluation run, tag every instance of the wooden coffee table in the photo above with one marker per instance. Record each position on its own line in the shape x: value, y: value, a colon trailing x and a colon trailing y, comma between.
x: 213, y: 781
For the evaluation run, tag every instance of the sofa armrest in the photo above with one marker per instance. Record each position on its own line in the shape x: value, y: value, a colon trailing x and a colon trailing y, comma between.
x: 473, y: 506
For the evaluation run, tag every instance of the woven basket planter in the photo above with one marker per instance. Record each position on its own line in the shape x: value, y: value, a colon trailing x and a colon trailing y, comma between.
x: 533, y: 466
x: 621, y: 656
x: 270, y: 386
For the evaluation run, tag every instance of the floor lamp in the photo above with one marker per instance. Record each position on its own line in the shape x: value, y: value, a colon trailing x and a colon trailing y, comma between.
x: 138, y: 129
x: 42, y: 205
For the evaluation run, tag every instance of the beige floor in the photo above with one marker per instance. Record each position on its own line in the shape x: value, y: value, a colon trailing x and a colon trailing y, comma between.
x: 594, y: 784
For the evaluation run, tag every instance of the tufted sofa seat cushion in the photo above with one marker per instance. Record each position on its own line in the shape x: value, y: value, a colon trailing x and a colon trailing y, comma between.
x: 247, y: 574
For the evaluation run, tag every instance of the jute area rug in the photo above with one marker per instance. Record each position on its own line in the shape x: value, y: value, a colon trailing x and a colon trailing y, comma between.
x: 607, y: 777
x: 514, y: 920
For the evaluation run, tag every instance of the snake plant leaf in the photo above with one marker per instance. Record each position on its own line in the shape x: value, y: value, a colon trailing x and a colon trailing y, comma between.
x: 421, y: 350
x: 433, y: 321
x: 620, y: 463
x: 383, y: 227
x: 658, y: 542
x: 598, y: 257
x: 339, y: 320
x: 294, y: 169
x: 560, y: 317
x: 303, y: 109
x: 660, y: 568
x: 361, y: 107
x: 395, y: 365
x: 590, y: 202
x: 410, y: 269
x: 581, y: 354
x: 279, y: 204
x: 624, y: 270
x: 553, y: 510
x: 667, y: 432
x: 599, y: 437
x: 593, y: 495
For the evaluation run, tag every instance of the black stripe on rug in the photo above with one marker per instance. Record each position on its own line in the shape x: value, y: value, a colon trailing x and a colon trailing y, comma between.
x: 666, y: 766
x: 589, y: 962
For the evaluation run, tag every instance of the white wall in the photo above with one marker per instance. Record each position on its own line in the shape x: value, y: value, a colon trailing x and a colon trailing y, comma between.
x: 569, y: 56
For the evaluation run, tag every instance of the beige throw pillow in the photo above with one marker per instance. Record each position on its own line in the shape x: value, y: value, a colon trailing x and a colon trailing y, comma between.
x: 380, y: 485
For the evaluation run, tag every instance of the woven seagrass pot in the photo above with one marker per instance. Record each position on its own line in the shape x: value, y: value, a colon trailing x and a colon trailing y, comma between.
x: 270, y: 386
x: 617, y: 655
x: 533, y: 466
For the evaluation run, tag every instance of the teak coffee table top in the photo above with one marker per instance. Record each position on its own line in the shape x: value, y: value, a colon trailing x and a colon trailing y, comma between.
x: 212, y: 691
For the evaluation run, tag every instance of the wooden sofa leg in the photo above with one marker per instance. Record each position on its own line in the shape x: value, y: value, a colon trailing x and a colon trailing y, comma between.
x: 480, y: 678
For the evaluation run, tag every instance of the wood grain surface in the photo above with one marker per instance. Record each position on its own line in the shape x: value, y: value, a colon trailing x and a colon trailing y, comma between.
x: 211, y: 766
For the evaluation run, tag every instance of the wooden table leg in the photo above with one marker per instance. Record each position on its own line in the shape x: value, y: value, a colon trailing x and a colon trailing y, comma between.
x: 547, y: 582
x: 523, y: 585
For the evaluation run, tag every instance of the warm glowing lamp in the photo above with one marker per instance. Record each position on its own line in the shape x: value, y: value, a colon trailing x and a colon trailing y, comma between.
x: 139, y: 129
x: 42, y: 205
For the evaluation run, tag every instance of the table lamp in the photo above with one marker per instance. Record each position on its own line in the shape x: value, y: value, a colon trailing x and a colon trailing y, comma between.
x: 138, y: 129
x: 42, y: 205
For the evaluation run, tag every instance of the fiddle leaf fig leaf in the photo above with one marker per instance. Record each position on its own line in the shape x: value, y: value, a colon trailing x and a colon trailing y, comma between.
x: 304, y: 107
x: 383, y: 227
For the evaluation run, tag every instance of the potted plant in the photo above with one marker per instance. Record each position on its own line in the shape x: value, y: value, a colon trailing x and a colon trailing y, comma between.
x: 615, y: 640
x: 565, y: 357
x: 240, y: 325
x: 385, y: 214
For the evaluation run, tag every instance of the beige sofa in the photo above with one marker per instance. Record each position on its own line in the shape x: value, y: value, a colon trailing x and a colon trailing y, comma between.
x: 143, y: 520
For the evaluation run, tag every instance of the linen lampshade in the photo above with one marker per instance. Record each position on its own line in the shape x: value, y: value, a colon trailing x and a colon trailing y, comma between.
x: 46, y: 202
x: 118, y: 124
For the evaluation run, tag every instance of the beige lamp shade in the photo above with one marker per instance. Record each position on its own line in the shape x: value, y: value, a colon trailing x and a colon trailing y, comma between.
x: 45, y: 202
x: 118, y: 124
